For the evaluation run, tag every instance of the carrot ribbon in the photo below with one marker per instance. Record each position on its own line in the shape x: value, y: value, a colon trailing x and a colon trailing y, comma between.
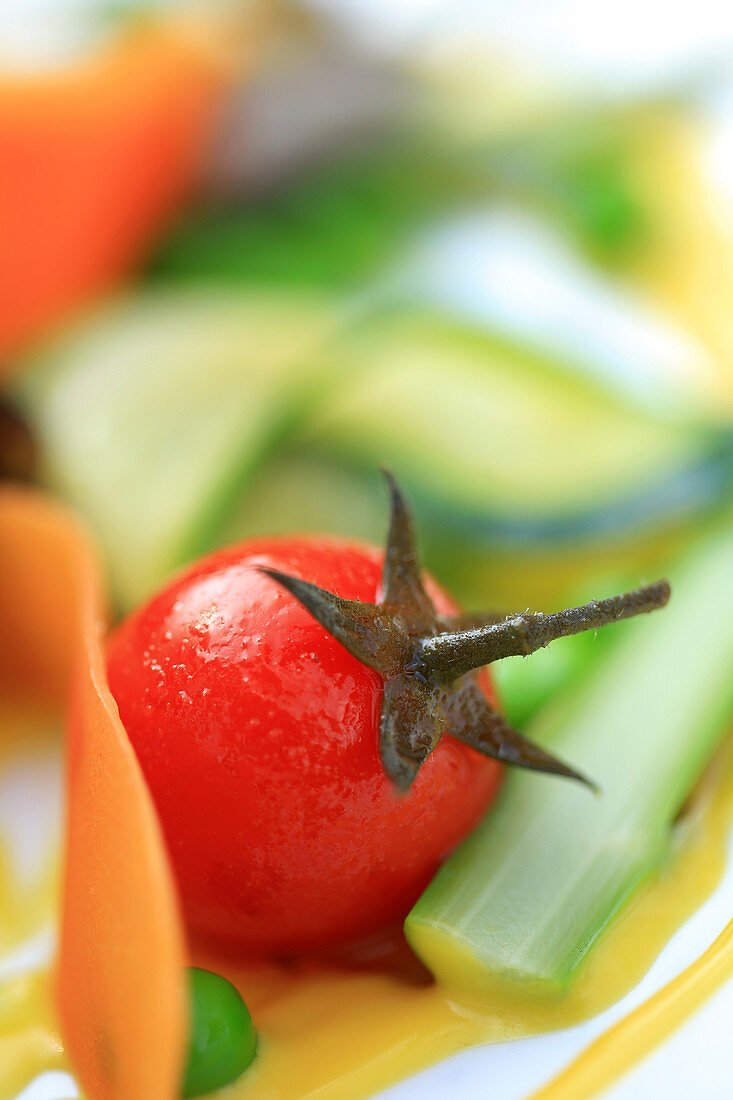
x: 119, y: 982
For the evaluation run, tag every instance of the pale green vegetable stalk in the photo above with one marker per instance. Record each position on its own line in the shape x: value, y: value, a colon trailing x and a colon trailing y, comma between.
x: 526, y: 896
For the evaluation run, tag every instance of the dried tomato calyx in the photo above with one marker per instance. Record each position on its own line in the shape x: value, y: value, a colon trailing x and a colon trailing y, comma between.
x: 429, y: 663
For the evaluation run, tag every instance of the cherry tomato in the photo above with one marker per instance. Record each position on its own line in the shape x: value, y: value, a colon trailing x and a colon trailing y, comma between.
x: 257, y: 733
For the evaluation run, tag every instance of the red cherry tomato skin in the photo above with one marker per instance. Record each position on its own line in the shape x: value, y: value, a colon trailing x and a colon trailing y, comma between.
x: 258, y: 736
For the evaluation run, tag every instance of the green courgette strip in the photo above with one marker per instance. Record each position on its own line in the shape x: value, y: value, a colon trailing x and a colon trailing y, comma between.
x: 525, y: 897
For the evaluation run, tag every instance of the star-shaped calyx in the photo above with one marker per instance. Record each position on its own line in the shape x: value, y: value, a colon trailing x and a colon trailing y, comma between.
x: 429, y: 663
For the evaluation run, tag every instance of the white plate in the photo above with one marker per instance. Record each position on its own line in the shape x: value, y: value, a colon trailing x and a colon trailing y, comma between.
x: 694, y: 1061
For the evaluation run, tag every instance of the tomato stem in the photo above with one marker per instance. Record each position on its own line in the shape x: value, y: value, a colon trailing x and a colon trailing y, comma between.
x: 449, y: 656
x: 429, y: 663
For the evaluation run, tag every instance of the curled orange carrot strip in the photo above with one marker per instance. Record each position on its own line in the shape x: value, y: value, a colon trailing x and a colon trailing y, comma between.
x: 120, y: 967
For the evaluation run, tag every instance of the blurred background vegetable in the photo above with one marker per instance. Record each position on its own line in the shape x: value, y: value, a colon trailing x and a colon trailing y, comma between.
x: 357, y: 243
x: 97, y: 157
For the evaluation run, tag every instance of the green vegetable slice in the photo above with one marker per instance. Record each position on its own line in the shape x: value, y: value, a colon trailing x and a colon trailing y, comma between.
x: 525, y: 897
x: 487, y: 428
x: 156, y: 413
x: 154, y: 418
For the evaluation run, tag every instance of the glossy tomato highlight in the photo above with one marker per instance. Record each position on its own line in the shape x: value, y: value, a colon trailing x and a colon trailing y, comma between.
x: 258, y: 736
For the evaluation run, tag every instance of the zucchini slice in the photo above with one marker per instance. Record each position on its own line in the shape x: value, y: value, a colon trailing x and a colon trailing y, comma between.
x: 491, y: 429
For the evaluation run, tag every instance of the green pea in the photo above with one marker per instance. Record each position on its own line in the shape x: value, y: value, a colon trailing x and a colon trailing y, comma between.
x: 223, y: 1038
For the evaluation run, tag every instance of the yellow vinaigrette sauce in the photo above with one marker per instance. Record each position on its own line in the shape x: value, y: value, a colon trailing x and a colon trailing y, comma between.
x: 30, y: 1041
x: 341, y: 1034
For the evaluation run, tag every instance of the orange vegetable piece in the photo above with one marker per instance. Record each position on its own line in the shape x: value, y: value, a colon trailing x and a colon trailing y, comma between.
x: 95, y: 160
x: 120, y: 973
